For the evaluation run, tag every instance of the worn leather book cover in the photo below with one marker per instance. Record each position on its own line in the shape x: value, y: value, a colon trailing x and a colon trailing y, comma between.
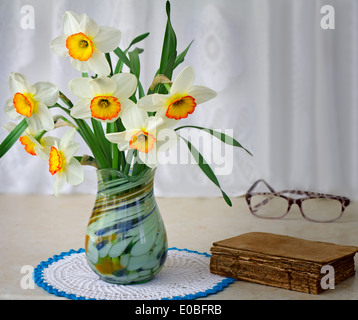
x: 281, y: 261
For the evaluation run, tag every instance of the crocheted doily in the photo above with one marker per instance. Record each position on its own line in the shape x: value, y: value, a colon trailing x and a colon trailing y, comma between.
x: 185, y: 275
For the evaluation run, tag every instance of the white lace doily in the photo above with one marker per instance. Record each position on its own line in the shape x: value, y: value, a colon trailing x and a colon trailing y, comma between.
x: 185, y: 275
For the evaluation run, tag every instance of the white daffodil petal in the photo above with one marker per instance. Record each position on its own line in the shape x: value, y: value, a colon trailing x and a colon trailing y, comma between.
x: 59, y: 183
x: 34, y: 122
x: 88, y: 26
x: 49, y: 141
x: 134, y: 118
x: 8, y: 126
x: 125, y: 104
x: 74, y: 172
x: 98, y: 63
x: 41, y: 152
x: 45, y: 116
x: 107, y: 39
x: 150, y: 158
x: 160, y: 101
x: 70, y: 23
x: 46, y: 93
x: 67, y: 138
x: 58, y: 46
x: 166, y: 139
x: 11, y: 111
x: 80, y: 88
x: 81, y: 66
x: 201, y: 94
x: 168, y: 123
x: 126, y: 85
x: 152, y: 123
x: 81, y: 109
x: 19, y: 83
x: 146, y: 103
x: 102, y: 86
x: 184, y: 80
x: 34, y: 127
x: 120, y: 138
x: 70, y: 150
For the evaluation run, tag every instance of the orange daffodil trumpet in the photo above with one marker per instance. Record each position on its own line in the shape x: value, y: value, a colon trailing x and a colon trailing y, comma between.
x: 182, y: 99
x: 62, y: 163
x: 102, y: 98
x: 31, y: 101
x: 85, y: 42
x: 146, y: 134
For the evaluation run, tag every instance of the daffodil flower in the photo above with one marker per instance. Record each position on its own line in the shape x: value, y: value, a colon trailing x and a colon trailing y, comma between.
x: 31, y: 101
x: 85, y: 42
x: 147, y: 135
x: 62, y: 162
x: 36, y: 147
x: 182, y: 99
x: 102, y: 98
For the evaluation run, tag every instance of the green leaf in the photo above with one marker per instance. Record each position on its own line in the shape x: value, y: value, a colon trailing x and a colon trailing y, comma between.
x: 170, y: 65
x: 169, y: 45
x: 222, y: 136
x: 137, y: 39
x: 122, y: 56
x: 12, y: 137
x: 180, y: 58
x: 134, y: 62
x: 206, y: 169
x: 108, y: 58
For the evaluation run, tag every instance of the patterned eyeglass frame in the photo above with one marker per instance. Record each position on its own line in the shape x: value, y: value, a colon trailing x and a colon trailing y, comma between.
x: 308, y: 195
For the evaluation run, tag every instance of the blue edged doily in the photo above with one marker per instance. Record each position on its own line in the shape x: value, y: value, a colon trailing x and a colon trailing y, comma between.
x: 185, y: 276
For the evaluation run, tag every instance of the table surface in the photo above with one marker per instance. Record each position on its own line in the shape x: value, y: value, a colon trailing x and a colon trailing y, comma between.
x: 36, y: 227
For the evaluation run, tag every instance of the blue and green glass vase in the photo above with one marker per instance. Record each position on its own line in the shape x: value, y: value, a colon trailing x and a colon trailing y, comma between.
x: 126, y: 241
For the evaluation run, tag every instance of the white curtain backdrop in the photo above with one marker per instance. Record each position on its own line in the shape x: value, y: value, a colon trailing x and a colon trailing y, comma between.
x: 286, y: 87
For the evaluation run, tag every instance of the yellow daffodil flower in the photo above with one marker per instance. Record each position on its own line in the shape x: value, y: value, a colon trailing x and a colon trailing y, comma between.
x: 85, y: 42
x: 31, y: 101
x: 62, y: 163
x: 182, y: 99
x: 102, y: 98
x: 147, y: 135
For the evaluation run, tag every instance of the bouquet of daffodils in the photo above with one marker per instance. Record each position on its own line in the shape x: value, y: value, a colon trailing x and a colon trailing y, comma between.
x: 124, y: 127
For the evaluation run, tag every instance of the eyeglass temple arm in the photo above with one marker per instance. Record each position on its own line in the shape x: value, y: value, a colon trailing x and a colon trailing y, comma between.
x: 257, y: 182
x: 316, y: 194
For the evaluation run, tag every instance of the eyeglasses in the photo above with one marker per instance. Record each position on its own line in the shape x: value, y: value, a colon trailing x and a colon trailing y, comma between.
x: 316, y: 207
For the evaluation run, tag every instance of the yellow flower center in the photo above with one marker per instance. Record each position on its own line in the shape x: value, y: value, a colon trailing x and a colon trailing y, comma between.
x: 142, y: 141
x: 56, y: 161
x: 79, y: 46
x: 24, y: 103
x: 180, y: 107
x: 29, y: 145
x: 105, y: 107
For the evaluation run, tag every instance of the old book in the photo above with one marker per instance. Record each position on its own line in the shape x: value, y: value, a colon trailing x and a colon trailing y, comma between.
x: 281, y: 261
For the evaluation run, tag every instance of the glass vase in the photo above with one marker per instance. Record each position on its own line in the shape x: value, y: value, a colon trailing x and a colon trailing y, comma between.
x: 126, y: 240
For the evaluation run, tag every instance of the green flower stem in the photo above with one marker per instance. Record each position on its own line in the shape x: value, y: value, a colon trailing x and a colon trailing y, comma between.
x: 112, y: 127
x: 39, y: 135
x: 122, y: 155
x: 102, y: 142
